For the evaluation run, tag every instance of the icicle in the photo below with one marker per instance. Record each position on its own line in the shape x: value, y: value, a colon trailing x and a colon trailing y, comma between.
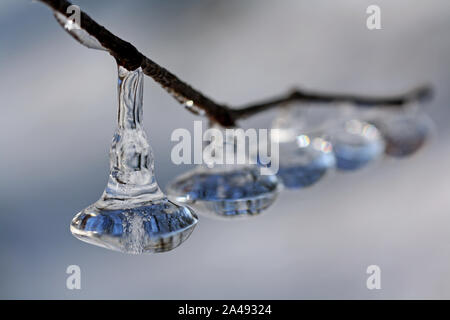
x: 133, y: 215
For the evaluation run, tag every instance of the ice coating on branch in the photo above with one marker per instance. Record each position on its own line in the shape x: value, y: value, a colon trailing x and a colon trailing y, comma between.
x: 75, y: 30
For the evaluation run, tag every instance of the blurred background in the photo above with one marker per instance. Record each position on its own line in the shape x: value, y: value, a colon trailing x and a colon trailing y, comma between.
x: 58, y: 104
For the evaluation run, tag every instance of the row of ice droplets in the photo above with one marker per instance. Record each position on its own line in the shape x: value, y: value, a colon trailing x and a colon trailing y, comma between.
x: 134, y: 216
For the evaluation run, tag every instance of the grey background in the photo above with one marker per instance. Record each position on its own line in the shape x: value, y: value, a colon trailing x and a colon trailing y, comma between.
x: 58, y: 106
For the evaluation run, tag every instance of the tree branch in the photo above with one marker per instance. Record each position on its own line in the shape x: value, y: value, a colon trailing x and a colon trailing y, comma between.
x: 130, y: 58
x: 421, y: 93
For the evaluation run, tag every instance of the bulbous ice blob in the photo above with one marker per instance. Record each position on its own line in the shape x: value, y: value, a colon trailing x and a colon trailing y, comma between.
x: 304, y: 166
x: 156, y: 226
x: 226, y: 189
x: 133, y: 215
x: 304, y: 154
x: 355, y: 143
x: 404, y: 133
x: 226, y: 192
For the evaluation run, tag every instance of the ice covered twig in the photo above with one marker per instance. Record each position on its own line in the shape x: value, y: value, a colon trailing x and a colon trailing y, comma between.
x: 93, y: 35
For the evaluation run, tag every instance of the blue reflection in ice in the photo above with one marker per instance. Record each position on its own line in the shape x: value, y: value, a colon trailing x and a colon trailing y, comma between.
x: 355, y: 144
x: 304, y: 160
x: 154, y: 227
x: 294, y: 177
x: 228, y: 191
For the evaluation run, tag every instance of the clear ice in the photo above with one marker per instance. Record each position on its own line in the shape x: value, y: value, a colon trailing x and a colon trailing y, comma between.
x: 305, y: 155
x: 133, y: 215
x: 226, y: 190
x: 356, y: 143
x: 404, y: 132
x: 75, y: 30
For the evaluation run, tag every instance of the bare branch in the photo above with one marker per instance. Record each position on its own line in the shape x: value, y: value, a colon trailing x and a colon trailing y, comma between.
x: 419, y: 94
x: 130, y: 58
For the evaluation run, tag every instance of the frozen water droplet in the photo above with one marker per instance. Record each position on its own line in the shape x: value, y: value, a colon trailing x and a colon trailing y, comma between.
x: 157, y: 226
x: 304, y: 154
x: 226, y: 190
x: 226, y: 193
x: 404, y: 133
x: 133, y: 215
x: 304, y: 166
x: 355, y: 143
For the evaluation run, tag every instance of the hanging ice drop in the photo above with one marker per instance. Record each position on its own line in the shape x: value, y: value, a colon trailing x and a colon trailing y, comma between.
x: 305, y: 155
x: 355, y: 142
x: 404, y: 132
x: 226, y: 190
x: 133, y: 215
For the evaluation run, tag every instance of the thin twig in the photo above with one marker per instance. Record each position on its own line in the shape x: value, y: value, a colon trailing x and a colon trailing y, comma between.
x: 129, y: 57
x: 422, y: 93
